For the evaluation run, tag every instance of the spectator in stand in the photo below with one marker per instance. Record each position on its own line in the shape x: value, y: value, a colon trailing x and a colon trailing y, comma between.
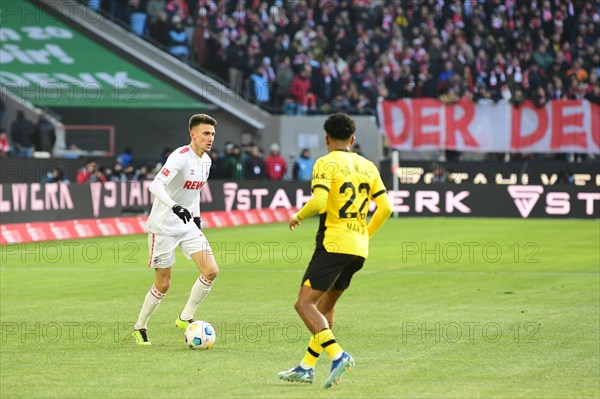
x: 275, y: 164
x: 117, y: 173
x: 21, y: 131
x: 179, y: 9
x: 126, y: 157
x: 593, y: 94
x: 439, y: 174
x: 130, y: 172
x: 304, y: 166
x: 257, y: 87
x: 254, y: 165
x: 299, y: 91
x: 90, y: 173
x: 578, y: 71
x: 5, y: 149
x: 268, y: 71
x: 178, y: 40
x: 566, y: 177
x: 538, y: 50
x: 44, y: 136
x: 154, y: 8
x: 203, y: 40
x: 102, y: 174
x: 233, y: 168
x: 394, y: 83
x: 118, y: 9
x: 136, y: 16
x: 56, y: 175
x: 216, y: 168
x: 542, y: 58
x: 143, y: 173
x: 159, y: 29
x: 325, y: 87
x: 2, y: 112
x: 283, y: 81
x: 236, y: 59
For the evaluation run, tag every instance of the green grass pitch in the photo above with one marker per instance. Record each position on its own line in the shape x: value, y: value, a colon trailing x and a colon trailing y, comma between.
x: 443, y: 308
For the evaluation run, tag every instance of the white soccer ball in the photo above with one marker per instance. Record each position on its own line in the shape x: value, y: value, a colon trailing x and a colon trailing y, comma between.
x: 200, y: 335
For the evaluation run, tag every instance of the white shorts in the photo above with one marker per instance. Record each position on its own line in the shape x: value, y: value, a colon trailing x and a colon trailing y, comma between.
x: 162, y: 248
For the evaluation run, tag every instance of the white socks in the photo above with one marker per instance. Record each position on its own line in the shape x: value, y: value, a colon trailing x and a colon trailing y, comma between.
x: 153, y: 298
x: 200, y: 290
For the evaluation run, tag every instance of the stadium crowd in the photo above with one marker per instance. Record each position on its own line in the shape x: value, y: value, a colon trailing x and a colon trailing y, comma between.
x: 234, y: 163
x: 321, y: 56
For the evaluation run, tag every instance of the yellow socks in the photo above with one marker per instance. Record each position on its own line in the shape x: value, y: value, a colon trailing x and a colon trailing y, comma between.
x: 312, y: 354
x: 327, y: 341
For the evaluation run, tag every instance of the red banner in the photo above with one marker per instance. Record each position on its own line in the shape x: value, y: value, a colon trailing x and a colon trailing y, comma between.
x: 87, y: 228
x: 428, y: 124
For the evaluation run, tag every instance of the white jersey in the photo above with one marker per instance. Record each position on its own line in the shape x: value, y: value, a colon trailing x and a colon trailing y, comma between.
x: 183, y: 176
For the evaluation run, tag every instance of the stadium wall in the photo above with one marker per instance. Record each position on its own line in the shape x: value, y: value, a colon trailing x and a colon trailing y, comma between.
x: 16, y: 170
x: 148, y: 132
x: 545, y: 172
x: 294, y: 133
x: 38, y: 212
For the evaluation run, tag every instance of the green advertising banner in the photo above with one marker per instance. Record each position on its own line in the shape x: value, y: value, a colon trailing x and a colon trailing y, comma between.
x: 51, y: 64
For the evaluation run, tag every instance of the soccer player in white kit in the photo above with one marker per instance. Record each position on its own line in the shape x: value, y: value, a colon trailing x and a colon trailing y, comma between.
x: 174, y: 221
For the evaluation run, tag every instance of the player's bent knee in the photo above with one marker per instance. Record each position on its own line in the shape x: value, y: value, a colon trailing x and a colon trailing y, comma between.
x: 300, y: 306
x: 163, y: 285
x: 211, y: 273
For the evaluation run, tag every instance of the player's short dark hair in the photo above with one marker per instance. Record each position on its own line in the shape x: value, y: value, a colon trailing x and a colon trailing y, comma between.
x: 339, y: 126
x: 201, y: 119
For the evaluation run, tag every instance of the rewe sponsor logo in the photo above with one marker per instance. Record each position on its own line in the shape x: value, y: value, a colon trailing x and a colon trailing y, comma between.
x: 193, y: 184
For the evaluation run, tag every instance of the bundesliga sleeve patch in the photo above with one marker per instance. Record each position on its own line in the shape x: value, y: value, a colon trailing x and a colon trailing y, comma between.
x: 166, y: 172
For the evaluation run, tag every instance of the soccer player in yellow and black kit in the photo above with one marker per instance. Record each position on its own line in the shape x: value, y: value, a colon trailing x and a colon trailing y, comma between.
x: 343, y: 184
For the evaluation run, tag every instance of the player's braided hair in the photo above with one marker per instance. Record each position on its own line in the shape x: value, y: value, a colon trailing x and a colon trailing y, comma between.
x: 339, y: 126
x: 199, y: 119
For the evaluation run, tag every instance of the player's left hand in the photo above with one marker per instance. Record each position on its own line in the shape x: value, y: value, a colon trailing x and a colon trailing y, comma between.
x: 198, y: 222
x: 294, y: 221
x: 182, y: 213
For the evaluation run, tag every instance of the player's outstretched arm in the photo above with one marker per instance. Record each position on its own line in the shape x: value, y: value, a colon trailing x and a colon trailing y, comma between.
x: 157, y: 187
x: 382, y: 213
x: 311, y: 208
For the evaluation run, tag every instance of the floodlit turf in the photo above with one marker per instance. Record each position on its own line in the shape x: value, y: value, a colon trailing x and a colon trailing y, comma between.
x: 443, y: 308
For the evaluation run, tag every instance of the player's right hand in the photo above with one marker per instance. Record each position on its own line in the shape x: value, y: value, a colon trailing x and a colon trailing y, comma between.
x: 294, y: 221
x: 183, y: 213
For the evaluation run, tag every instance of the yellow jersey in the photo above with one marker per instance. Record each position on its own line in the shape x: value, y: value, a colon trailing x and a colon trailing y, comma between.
x: 352, y: 182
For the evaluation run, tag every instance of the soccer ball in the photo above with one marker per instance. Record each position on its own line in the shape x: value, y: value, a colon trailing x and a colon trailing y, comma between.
x: 200, y: 335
